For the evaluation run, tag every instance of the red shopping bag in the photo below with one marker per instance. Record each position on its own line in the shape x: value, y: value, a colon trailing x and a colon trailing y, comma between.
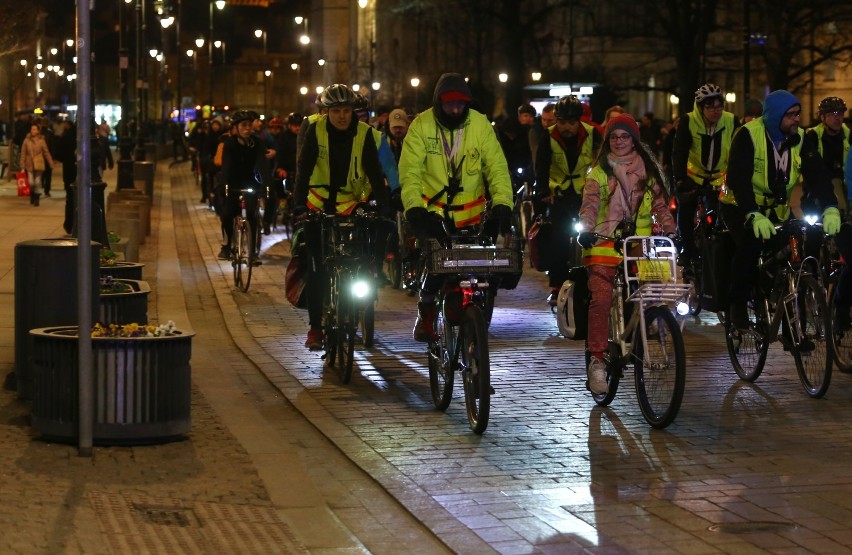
x: 23, y: 184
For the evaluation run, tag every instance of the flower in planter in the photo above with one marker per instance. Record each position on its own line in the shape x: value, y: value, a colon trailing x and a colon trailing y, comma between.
x: 111, y: 285
x: 134, y: 330
x: 113, y: 237
x: 108, y: 257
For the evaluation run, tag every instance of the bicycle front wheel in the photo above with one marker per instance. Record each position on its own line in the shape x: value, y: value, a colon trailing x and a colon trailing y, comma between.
x: 347, y: 324
x: 239, y: 251
x: 811, y: 337
x: 747, y: 348
x: 368, y: 323
x: 442, y: 360
x: 842, y: 335
x: 249, y: 255
x: 475, y: 368
x: 660, y: 372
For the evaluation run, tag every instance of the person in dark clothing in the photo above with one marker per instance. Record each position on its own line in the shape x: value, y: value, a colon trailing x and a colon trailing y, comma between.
x: 345, y: 176
x: 243, y: 159
x: 285, y: 160
x: 66, y: 150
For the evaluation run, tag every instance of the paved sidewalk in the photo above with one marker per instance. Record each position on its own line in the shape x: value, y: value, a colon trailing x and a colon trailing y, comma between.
x: 254, y: 476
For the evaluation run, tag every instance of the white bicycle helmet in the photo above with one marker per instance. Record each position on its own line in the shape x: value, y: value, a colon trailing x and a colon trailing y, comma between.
x: 707, y: 92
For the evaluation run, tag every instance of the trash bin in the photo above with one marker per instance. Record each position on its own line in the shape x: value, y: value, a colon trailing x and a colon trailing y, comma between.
x: 46, y: 295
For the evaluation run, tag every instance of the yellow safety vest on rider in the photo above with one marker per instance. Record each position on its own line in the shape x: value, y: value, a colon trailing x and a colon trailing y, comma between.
x: 820, y: 129
x: 424, y: 173
x: 603, y: 252
x: 357, y: 186
x: 694, y: 165
x: 561, y: 176
x: 760, y: 176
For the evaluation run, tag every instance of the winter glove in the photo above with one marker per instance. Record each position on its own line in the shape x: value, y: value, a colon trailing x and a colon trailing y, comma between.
x: 503, y: 215
x: 587, y: 239
x: 761, y: 226
x: 418, y: 217
x: 831, y: 220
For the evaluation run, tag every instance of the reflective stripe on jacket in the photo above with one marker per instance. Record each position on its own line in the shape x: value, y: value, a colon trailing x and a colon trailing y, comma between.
x: 561, y: 176
x: 694, y: 164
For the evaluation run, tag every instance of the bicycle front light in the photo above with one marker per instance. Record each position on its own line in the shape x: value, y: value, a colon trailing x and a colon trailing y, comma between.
x: 682, y: 308
x: 811, y: 219
x: 578, y: 227
x: 360, y: 289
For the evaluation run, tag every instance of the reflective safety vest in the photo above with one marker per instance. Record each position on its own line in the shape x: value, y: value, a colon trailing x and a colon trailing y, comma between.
x: 694, y: 164
x: 603, y: 252
x: 561, y: 176
x: 820, y: 129
x: 760, y: 175
x: 357, y: 186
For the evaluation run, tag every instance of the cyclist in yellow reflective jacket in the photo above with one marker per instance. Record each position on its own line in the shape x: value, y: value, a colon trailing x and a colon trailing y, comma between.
x: 449, y: 154
x: 338, y: 169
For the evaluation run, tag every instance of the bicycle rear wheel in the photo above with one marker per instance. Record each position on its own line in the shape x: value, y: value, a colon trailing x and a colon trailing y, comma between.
x: 367, y: 318
x: 747, y: 348
x: 692, y: 274
x: 811, y: 338
x: 330, y: 323
x: 475, y: 368
x: 660, y: 372
x: 842, y: 335
x: 442, y: 360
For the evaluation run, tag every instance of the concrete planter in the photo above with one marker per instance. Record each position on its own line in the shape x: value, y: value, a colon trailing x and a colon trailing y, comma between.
x: 125, y: 308
x: 123, y: 270
x: 142, y: 386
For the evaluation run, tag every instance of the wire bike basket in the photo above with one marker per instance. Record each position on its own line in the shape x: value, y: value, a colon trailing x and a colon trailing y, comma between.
x: 476, y: 260
x: 650, y: 270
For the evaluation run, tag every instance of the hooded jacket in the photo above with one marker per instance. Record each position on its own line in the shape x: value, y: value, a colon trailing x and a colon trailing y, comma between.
x: 426, y: 171
x: 753, y: 182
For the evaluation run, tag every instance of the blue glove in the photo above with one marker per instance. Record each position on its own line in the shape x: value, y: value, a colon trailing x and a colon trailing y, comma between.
x: 761, y: 226
x: 831, y: 220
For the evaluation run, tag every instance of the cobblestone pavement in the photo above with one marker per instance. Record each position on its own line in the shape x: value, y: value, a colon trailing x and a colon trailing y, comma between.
x: 744, y: 469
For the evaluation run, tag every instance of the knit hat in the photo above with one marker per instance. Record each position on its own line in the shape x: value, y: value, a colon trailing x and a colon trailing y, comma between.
x: 624, y: 122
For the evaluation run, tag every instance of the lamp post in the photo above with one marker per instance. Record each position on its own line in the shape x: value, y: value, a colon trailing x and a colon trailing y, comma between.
x: 141, y: 81
x: 125, y: 163
x: 260, y: 33
x: 415, y: 82
x: 220, y: 5
x: 221, y: 44
x: 267, y: 73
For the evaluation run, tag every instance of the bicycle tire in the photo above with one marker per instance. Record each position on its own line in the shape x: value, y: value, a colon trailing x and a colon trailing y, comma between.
x: 747, y: 349
x: 393, y: 263
x: 347, y: 324
x: 368, y: 323
x: 475, y: 368
x: 812, y: 351
x: 330, y: 323
x: 660, y: 383
x: 697, y: 281
x: 842, y: 338
x: 443, y: 361
x: 248, y: 257
x: 489, y: 296
x: 237, y: 249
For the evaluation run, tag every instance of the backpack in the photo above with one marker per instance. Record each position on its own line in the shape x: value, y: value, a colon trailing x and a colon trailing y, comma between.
x: 572, y: 304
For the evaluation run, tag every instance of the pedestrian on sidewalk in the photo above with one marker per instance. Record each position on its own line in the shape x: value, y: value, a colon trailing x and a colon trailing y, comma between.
x: 35, y: 157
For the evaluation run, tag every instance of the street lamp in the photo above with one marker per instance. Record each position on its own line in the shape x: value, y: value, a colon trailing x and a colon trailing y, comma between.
x: 267, y: 73
x: 415, y: 82
x: 304, y: 39
x: 261, y: 33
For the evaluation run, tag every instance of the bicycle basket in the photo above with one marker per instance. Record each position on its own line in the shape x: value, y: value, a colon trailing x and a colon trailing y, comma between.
x: 477, y: 260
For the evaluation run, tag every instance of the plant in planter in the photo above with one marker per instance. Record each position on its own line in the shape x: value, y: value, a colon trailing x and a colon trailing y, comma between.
x: 108, y: 257
x: 141, y: 382
x: 112, y: 285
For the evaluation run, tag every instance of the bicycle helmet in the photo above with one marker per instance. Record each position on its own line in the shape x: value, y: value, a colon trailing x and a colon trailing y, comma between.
x: 569, y: 108
x: 242, y: 115
x: 707, y: 91
x: 295, y: 118
x: 276, y: 122
x: 338, y: 95
x: 831, y: 104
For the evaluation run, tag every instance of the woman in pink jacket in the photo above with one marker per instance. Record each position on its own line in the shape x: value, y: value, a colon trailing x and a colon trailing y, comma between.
x: 35, y: 157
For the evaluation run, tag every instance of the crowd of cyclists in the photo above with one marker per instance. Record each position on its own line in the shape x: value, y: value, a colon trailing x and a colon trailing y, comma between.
x: 449, y: 168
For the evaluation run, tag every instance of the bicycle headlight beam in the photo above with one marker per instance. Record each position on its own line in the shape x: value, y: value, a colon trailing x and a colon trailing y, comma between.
x: 360, y: 289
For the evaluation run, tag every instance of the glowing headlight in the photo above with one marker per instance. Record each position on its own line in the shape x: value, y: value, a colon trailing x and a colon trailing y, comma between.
x: 360, y: 289
x: 578, y: 227
x: 811, y: 218
x: 682, y: 308
x: 520, y: 171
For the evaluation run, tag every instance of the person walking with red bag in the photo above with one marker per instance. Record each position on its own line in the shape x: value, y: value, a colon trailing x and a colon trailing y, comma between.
x: 35, y: 158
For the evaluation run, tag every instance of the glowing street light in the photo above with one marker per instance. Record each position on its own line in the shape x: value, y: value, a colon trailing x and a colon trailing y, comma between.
x: 536, y: 76
x: 199, y: 42
x: 503, y: 77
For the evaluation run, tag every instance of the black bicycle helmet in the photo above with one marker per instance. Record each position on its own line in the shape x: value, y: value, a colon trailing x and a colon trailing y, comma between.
x: 707, y: 91
x: 831, y: 104
x: 295, y: 118
x: 338, y: 95
x: 243, y: 115
x: 569, y: 108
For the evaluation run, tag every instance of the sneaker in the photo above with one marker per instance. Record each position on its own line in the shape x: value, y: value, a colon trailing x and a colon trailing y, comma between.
x: 315, y: 339
x: 224, y: 253
x: 597, y: 376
